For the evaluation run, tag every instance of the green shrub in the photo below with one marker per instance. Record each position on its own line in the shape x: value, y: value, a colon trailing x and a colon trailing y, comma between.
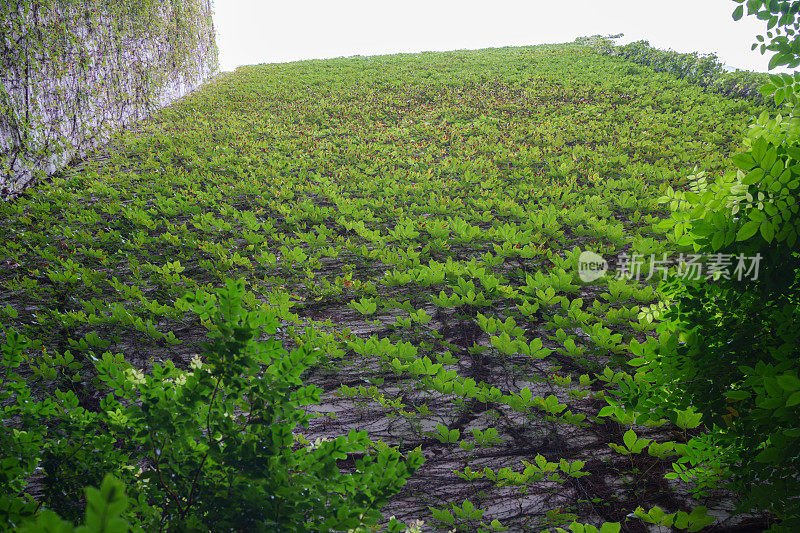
x: 730, y: 348
x: 104, y: 508
x: 210, y: 448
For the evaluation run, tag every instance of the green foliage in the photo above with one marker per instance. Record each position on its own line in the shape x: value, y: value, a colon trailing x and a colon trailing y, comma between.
x: 729, y: 345
x: 693, y: 521
x: 607, y: 527
x: 21, y: 445
x: 409, y: 227
x: 219, y: 440
x: 699, y: 69
x: 104, y: 509
x: 781, y: 37
x: 71, y: 70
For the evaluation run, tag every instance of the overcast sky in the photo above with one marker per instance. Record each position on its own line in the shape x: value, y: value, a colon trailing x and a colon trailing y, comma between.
x: 257, y: 31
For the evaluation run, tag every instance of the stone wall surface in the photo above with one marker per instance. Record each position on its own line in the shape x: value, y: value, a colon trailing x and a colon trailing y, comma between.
x: 73, y: 71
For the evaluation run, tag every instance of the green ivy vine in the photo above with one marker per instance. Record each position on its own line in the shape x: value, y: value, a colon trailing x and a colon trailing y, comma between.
x: 72, y: 70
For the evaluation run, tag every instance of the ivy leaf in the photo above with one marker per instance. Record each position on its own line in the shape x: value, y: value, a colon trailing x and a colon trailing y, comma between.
x: 610, y: 527
x: 629, y: 438
x: 442, y: 515
x: 738, y: 13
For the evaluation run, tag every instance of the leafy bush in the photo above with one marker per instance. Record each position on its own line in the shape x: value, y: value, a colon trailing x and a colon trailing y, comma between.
x: 104, y: 509
x: 210, y: 447
x: 730, y: 347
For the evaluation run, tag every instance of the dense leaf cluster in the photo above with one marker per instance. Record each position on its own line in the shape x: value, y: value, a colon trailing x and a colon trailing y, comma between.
x: 730, y: 347
x: 705, y: 70
x: 211, y: 448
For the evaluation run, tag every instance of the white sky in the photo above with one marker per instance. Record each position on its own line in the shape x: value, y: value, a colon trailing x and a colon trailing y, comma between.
x: 259, y: 31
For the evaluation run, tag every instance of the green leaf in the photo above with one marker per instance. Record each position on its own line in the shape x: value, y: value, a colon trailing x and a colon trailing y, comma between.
x: 777, y: 169
x: 794, y: 152
x: 610, y: 527
x: 767, y: 89
x: 767, y: 230
x: 104, y: 506
x: 769, y: 455
x: 769, y: 158
x: 744, y: 161
x: 443, y: 515
x: 717, y: 240
x: 366, y: 306
x: 748, y: 230
x: 737, y: 395
x: 47, y: 522
x: 738, y: 13
x: 754, y: 176
x: 777, y: 60
x: 789, y: 382
x: 629, y: 438
x: 793, y: 400
x: 497, y: 525
x: 780, y: 96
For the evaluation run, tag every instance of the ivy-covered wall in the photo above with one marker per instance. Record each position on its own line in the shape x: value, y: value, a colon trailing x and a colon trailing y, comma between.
x: 72, y: 71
